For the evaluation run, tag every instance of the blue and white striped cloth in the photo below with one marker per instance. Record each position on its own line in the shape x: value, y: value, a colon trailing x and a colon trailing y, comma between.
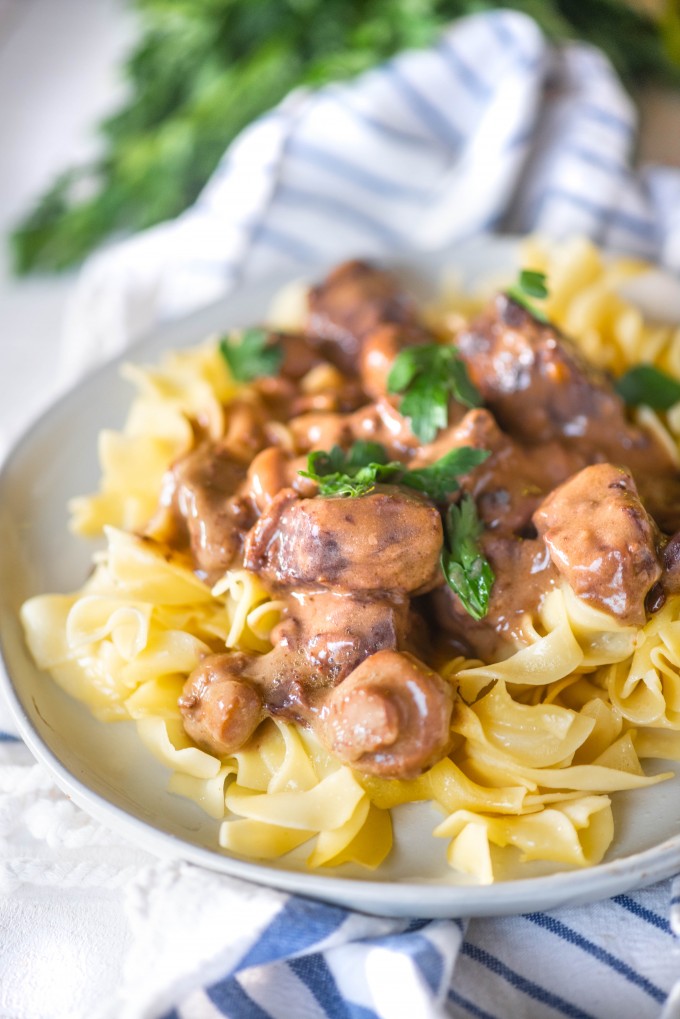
x: 490, y: 129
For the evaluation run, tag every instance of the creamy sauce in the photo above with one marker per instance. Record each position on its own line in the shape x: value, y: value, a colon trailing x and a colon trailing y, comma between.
x: 571, y: 491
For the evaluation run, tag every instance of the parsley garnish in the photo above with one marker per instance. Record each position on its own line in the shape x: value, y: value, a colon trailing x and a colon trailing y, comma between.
x: 250, y: 354
x: 648, y: 385
x: 428, y: 376
x: 365, y: 465
x: 466, y: 569
x: 530, y: 284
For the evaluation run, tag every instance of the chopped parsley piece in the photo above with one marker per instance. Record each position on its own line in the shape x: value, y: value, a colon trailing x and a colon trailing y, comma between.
x: 440, y: 478
x: 466, y: 569
x: 251, y: 354
x: 428, y: 377
x: 650, y: 386
x: 358, y: 471
x: 530, y: 284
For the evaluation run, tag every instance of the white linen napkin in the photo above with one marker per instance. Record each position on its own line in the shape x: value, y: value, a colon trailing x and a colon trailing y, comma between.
x: 490, y: 129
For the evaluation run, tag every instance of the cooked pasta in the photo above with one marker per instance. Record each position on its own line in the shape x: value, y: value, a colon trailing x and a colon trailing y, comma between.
x: 541, y: 734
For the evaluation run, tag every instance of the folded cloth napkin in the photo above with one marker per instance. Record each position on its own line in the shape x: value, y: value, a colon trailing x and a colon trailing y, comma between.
x: 490, y: 129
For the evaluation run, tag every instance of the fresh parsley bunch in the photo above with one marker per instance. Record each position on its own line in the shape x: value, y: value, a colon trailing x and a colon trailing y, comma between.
x: 204, y: 69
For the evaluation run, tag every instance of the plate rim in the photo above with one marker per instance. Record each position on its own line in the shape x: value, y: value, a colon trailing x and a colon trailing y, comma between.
x: 398, y: 898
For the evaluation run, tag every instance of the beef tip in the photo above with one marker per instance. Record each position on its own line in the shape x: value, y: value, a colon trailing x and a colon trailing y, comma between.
x: 335, y: 632
x: 381, y: 422
x: 389, y: 539
x: 220, y: 710
x: 524, y: 574
x: 602, y: 540
x: 534, y: 379
x: 299, y: 356
x: 321, y: 430
x: 199, y: 493
x: 379, y: 350
x: 514, y: 479
x: 271, y: 471
x: 350, y: 303
x: 391, y: 717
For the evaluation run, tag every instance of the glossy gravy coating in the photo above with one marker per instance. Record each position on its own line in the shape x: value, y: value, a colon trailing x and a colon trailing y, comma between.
x: 571, y: 491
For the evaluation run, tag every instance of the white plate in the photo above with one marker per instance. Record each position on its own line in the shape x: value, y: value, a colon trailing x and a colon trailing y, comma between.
x: 105, y: 768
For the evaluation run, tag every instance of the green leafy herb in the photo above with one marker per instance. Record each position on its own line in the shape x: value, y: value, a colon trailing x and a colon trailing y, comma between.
x: 440, y: 478
x: 200, y: 71
x: 349, y: 474
x: 648, y: 385
x: 530, y: 286
x: 466, y: 569
x: 365, y: 465
x: 428, y: 377
x: 251, y: 354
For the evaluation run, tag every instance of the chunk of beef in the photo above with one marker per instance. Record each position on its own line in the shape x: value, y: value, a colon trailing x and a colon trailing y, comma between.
x: 391, y: 717
x: 379, y: 349
x: 389, y: 539
x: 542, y: 390
x: 220, y: 711
x: 350, y: 303
x: 335, y: 632
x: 535, y: 380
x: 514, y: 479
x: 199, y: 495
x: 524, y: 574
x: 602, y: 540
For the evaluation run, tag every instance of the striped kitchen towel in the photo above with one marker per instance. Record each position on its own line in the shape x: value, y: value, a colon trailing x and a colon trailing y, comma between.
x: 490, y: 129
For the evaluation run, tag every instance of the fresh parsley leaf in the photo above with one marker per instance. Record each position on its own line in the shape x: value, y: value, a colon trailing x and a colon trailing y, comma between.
x: 466, y: 569
x: 428, y: 376
x: 350, y: 474
x: 440, y: 478
x: 530, y: 284
x: 250, y: 354
x: 365, y: 465
x: 648, y: 385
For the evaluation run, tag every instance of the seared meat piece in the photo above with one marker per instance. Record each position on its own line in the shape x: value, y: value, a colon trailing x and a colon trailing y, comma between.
x: 381, y: 422
x: 220, y: 711
x: 299, y: 356
x: 336, y: 631
x: 391, y: 717
x: 198, y: 503
x: 271, y: 471
x: 535, y: 380
x: 346, y: 568
x: 542, y: 390
x: 513, y: 480
x: 387, y: 540
x: 379, y: 349
x: 524, y: 573
x: 602, y: 540
x: 350, y: 303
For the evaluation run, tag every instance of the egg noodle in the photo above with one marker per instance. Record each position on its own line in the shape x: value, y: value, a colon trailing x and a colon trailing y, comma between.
x: 541, y: 739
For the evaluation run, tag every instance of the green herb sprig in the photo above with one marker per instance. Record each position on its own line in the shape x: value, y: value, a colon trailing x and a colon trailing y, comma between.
x: 427, y: 377
x: 530, y: 286
x: 198, y: 72
x: 645, y: 384
x: 365, y: 465
x: 466, y: 569
x: 251, y: 354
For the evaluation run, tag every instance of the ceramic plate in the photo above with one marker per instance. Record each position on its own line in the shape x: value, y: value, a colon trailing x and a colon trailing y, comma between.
x: 105, y: 768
